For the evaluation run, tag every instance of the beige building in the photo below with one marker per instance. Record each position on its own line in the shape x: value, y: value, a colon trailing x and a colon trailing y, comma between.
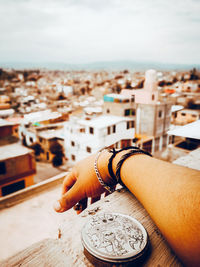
x: 119, y: 105
x: 186, y: 116
x: 152, y: 117
x: 47, y: 140
x: 17, y: 168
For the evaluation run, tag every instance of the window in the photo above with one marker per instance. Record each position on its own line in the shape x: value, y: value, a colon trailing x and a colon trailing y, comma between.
x: 2, y: 168
x: 13, y: 188
x: 132, y: 112
x: 153, y: 97
x: 130, y: 124
x: 126, y: 112
x: 40, y: 140
x: 114, y: 128
x: 127, y: 125
x: 72, y: 143
x: 133, y: 99
x: 183, y: 114
x: 88, y: 149
x: 91, y: 130
x: 157, y: 142
x: 47, y: 155
x: 108, y: 130
x: 73, y: 157
x: 31, y: 139
x: 108, y: 110
x: 160, y: 113
x: 82, y: 130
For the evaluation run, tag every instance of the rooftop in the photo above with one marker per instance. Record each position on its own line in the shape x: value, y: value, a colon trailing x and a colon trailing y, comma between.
x: 190, y: 130
x: 6, y: 123
x: 103, y: 121
x: 6, y: 112
x: 41, y: 116
x: 192, y: 160
x: 13, y: 150
x: 191, y: 111
x: 50, y: 134
x: 175, y: 108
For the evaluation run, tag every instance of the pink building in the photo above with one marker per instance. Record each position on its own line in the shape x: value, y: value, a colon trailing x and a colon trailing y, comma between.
x: 148, y: 95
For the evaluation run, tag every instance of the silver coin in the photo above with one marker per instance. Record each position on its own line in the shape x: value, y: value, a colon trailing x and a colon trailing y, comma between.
x: 114, y: 237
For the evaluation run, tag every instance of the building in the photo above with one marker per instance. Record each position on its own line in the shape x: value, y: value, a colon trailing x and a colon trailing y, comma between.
x: 51, y: 141
x: 17, y: 168
x: 4, y: 102
x: 93, y: 131
x: 186, y: 116
x: 191, y: 160
x: 186, y: 137
x: 7, y: 128
x: 152, y: 117
x: 119, y: 105
x: 83, y: 137
x: 28, y: 127
x: 42, y: 138
x: 174, y: 110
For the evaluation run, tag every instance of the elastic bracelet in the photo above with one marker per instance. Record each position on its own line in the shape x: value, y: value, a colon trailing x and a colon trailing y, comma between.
x: 110, y: 169
x: 107, y: 187
x: 123, y: 158
x: 114, y: 152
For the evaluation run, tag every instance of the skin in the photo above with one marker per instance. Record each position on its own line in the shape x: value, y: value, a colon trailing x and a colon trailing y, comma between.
x: 170, y: 194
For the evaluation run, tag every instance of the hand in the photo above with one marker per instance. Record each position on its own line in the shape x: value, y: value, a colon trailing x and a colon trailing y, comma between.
x: 82, y: 183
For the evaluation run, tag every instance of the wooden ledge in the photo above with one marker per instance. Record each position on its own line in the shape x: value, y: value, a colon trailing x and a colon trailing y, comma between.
x: 68, y: 244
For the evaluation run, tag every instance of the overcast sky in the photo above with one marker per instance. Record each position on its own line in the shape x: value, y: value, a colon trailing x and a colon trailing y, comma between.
x: 82, y: 31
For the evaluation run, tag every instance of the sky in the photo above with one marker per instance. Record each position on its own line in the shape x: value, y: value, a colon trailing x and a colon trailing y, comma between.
x: 84, y: 31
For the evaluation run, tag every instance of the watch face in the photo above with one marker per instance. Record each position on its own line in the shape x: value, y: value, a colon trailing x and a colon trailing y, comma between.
x: 114, y: 237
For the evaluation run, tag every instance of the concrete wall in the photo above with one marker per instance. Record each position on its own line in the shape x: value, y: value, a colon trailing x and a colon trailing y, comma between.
x: 99, y: 139
x: 153, y: 120
x: 117, y: 109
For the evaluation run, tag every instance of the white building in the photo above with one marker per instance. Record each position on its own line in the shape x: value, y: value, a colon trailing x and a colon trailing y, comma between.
x: 83, y: 137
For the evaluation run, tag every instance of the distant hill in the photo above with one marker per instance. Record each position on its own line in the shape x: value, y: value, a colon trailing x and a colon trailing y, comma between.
x: 104, y: 65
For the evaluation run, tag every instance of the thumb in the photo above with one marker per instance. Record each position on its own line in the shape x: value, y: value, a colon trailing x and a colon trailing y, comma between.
x: 69, y: 199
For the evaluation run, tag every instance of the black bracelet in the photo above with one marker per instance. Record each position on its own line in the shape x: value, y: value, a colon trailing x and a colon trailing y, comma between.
x: 123, y: 158
x: 114, y: 152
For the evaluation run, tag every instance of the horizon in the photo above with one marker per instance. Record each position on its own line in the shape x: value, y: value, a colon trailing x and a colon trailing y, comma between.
x: 99, y: 65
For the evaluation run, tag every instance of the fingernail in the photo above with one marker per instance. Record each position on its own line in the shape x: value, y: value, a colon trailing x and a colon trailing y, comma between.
x: 57, y: 206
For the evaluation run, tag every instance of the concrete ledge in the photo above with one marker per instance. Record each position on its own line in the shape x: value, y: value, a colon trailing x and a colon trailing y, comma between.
x: 21, y: 195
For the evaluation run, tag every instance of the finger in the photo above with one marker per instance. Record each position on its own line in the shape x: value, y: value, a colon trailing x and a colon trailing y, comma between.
x: 69, y: 199
x: 81, y: 205
x: 68, y: 182
x: 94, y: 199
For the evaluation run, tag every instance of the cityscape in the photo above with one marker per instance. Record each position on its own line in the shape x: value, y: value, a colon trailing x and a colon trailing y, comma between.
x: 57, y: 108
x: 59, y: 117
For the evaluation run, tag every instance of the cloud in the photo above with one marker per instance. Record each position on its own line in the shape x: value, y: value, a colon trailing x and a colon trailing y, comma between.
x: 91, y: 30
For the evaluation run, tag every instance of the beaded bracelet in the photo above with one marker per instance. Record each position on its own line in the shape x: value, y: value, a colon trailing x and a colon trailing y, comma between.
x: 107, y: 187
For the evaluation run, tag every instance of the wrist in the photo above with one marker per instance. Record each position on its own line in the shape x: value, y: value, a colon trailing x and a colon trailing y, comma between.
x: 103, y: 161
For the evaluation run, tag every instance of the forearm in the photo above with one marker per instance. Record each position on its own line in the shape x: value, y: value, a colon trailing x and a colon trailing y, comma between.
x: 170, y: 194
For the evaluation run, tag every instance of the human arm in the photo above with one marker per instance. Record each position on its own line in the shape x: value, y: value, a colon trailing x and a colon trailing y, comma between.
x: 169, y: 193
